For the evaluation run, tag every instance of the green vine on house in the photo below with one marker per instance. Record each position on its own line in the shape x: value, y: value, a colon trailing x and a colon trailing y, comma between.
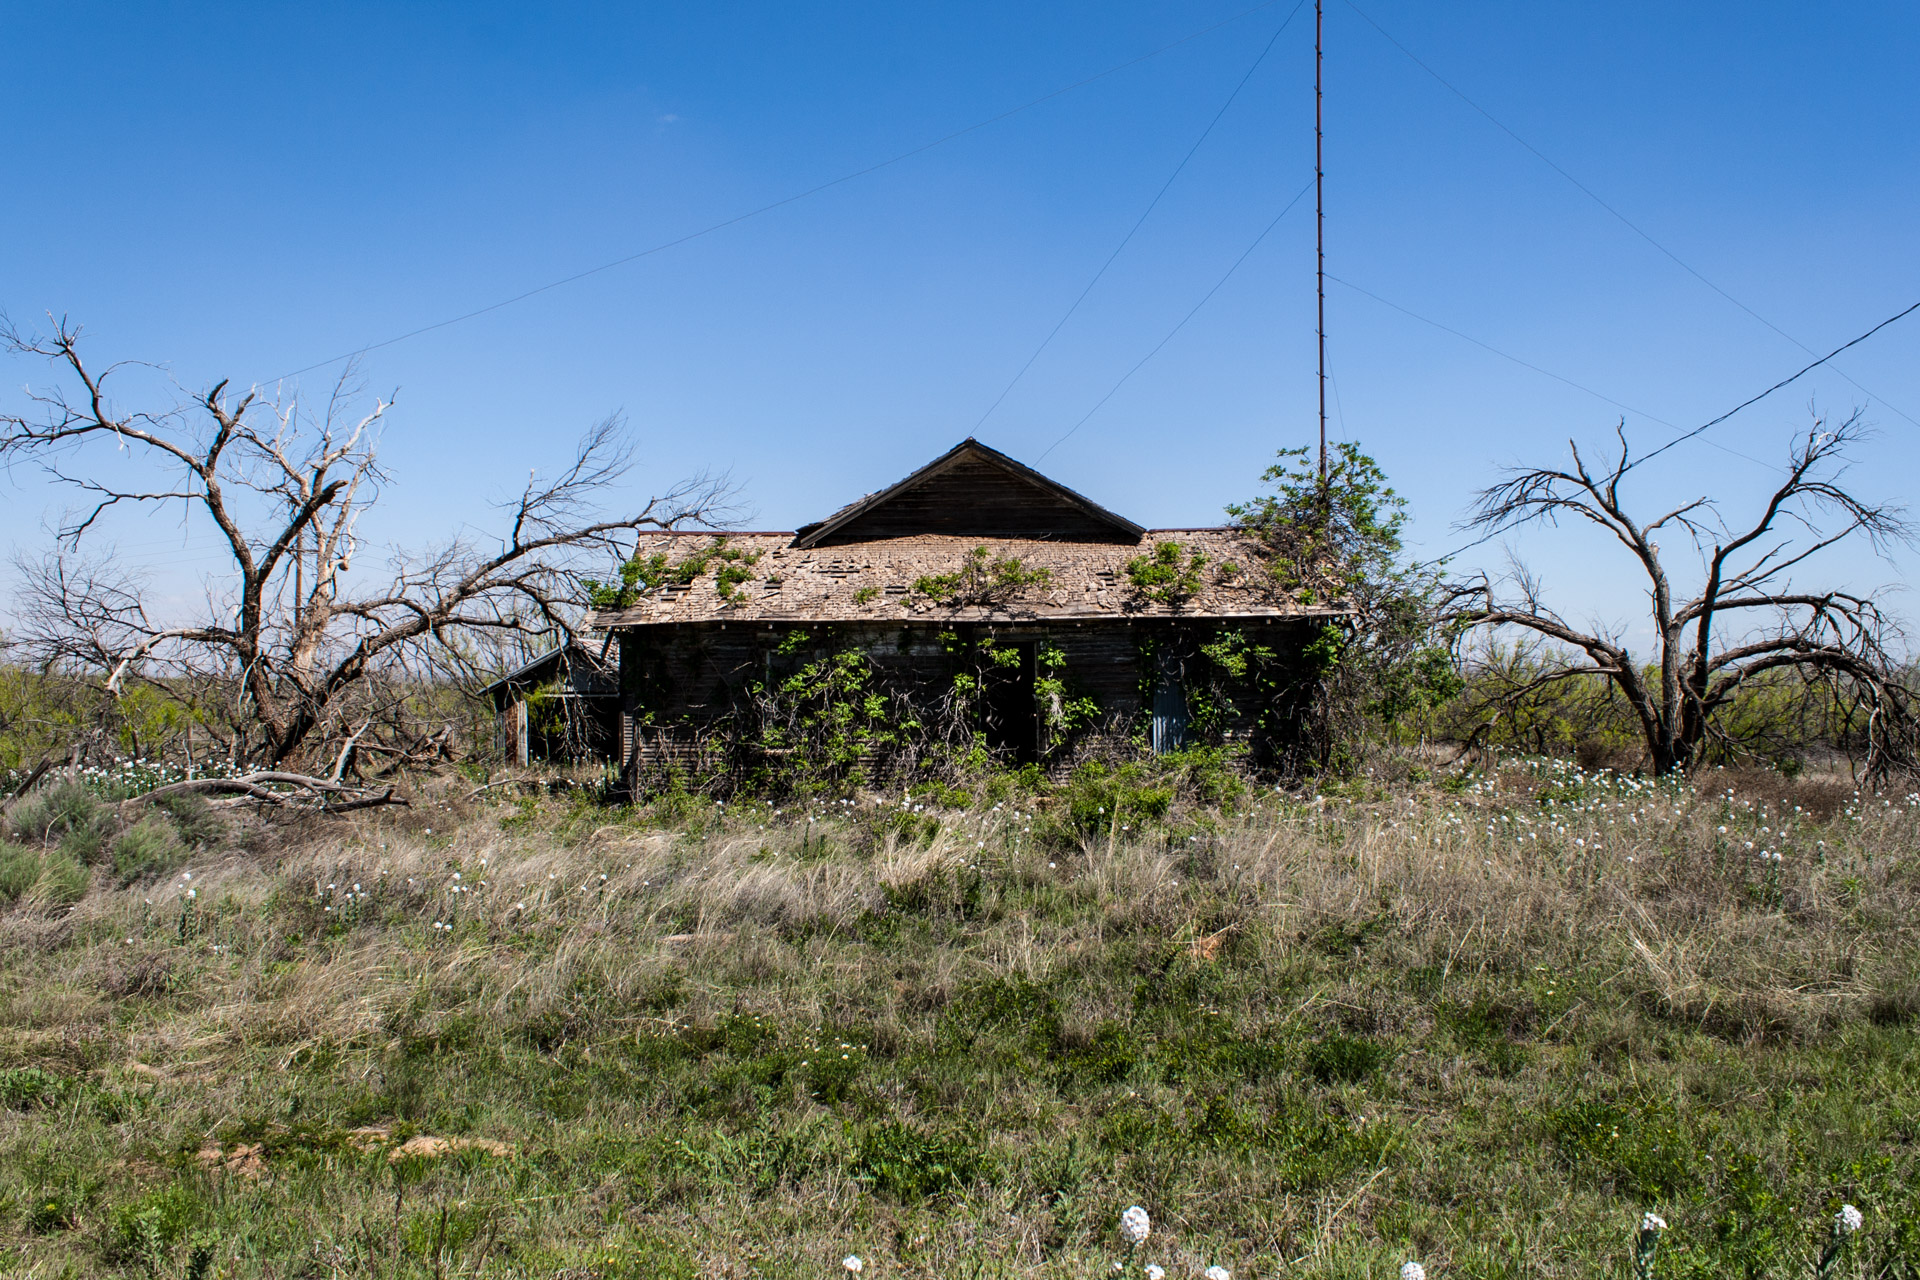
x: 1062, y: 714
x: 829, y: 716
x: 1164, y: 577
x: 983, y: 578
x: 1230, y: 683
x: 1336, y: 540
x: 642, y: 575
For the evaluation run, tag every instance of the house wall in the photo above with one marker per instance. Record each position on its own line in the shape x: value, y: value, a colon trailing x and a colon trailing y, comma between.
x: 683, y: 687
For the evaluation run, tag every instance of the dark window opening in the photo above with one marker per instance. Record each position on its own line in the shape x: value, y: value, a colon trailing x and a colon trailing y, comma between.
x: 1009, y: 718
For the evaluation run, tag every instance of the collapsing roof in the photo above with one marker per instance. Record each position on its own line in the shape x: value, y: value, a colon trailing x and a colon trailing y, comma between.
x: 971, y: 536
x: 938, y: 577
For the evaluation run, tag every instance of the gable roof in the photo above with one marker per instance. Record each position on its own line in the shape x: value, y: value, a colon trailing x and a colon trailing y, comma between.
x: 975, y: 491
x: 918, y: 580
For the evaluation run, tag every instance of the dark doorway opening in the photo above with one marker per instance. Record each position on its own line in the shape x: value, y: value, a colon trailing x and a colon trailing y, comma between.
x: 1168, y: 727
x: 1009, y: 720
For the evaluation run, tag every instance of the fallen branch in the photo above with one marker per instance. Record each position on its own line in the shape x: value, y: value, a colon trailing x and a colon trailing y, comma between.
x: 477, y: 792
x: 319, y: 795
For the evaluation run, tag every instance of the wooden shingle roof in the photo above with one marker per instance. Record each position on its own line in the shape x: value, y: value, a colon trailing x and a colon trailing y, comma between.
x: 931, y: 578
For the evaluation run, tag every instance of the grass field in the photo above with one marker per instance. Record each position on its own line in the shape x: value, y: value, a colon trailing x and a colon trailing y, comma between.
x: 1484, y: 1025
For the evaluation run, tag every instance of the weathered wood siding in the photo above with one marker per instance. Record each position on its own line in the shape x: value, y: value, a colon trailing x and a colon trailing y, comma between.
x: 683, y: 686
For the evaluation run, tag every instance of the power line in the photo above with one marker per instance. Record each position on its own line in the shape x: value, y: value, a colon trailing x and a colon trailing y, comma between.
x: 781, y: 203
x: 1783, y: 382
x: 1218, y: 284
x: 1141, y: 220
x: 1484, y: 346
x: 1679, y: 439
x: 1594, y: 196
x: 1545, y: 373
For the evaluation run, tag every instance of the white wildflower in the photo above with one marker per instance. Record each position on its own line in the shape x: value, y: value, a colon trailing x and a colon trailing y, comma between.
x: 1156, y: 1272
x: 1652, y: 1222
x: 1412, y: 1271
x: 1218, y: 1272
x: 852, y: 1263
x: 1135, y: 1226
x: 1848, y: 1220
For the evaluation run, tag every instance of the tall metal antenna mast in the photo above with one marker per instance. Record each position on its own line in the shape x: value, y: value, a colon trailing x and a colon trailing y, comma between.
x: 1320, y: 237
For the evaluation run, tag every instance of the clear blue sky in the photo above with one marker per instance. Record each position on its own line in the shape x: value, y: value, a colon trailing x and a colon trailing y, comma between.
x: 240, y: 191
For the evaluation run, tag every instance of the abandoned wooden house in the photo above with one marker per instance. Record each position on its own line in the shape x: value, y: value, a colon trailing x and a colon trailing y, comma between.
x: 562, y: 705
x: 1037, y: 623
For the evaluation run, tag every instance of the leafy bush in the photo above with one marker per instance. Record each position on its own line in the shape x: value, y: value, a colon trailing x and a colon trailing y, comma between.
x: 643, y: 575
x: 982, y: 578
x: 1099, y: 798
x: 1336, y: 539
x: 29, y: 1088
x: 828, y: 713
x: 1163, y: 577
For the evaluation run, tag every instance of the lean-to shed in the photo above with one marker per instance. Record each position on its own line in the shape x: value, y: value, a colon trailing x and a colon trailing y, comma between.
x: 562, y: 705
x: 976, y: 599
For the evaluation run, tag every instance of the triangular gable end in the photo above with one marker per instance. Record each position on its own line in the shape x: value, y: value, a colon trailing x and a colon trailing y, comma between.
x: 977, y: 492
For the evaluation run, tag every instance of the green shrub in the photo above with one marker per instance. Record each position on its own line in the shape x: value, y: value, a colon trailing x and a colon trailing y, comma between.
x: 148, y: 847
x: 1347, y: 1058
x: 1163, y: 577
x: 56, y: 874
x: 19, y: 870
x: 31, y: 1088
x: 67, y: 815
x: 912, y: 1164
x: 144, y: 1231
x: 199, y: 826
x: 1101, y: 800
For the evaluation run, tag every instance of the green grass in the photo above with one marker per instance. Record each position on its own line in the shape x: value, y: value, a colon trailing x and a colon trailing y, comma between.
x: 1312, y: 1036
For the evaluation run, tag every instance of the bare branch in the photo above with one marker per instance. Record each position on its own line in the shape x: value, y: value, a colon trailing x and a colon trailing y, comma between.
x: 285, y: 656
x: 1832, y: 632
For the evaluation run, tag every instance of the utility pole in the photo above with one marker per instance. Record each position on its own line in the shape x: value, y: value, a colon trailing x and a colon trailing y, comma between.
x: 1320, y: 236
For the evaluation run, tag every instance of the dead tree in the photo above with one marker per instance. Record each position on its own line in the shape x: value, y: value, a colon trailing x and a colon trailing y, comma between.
x: 299, y: 657
x: 1747, y: 621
